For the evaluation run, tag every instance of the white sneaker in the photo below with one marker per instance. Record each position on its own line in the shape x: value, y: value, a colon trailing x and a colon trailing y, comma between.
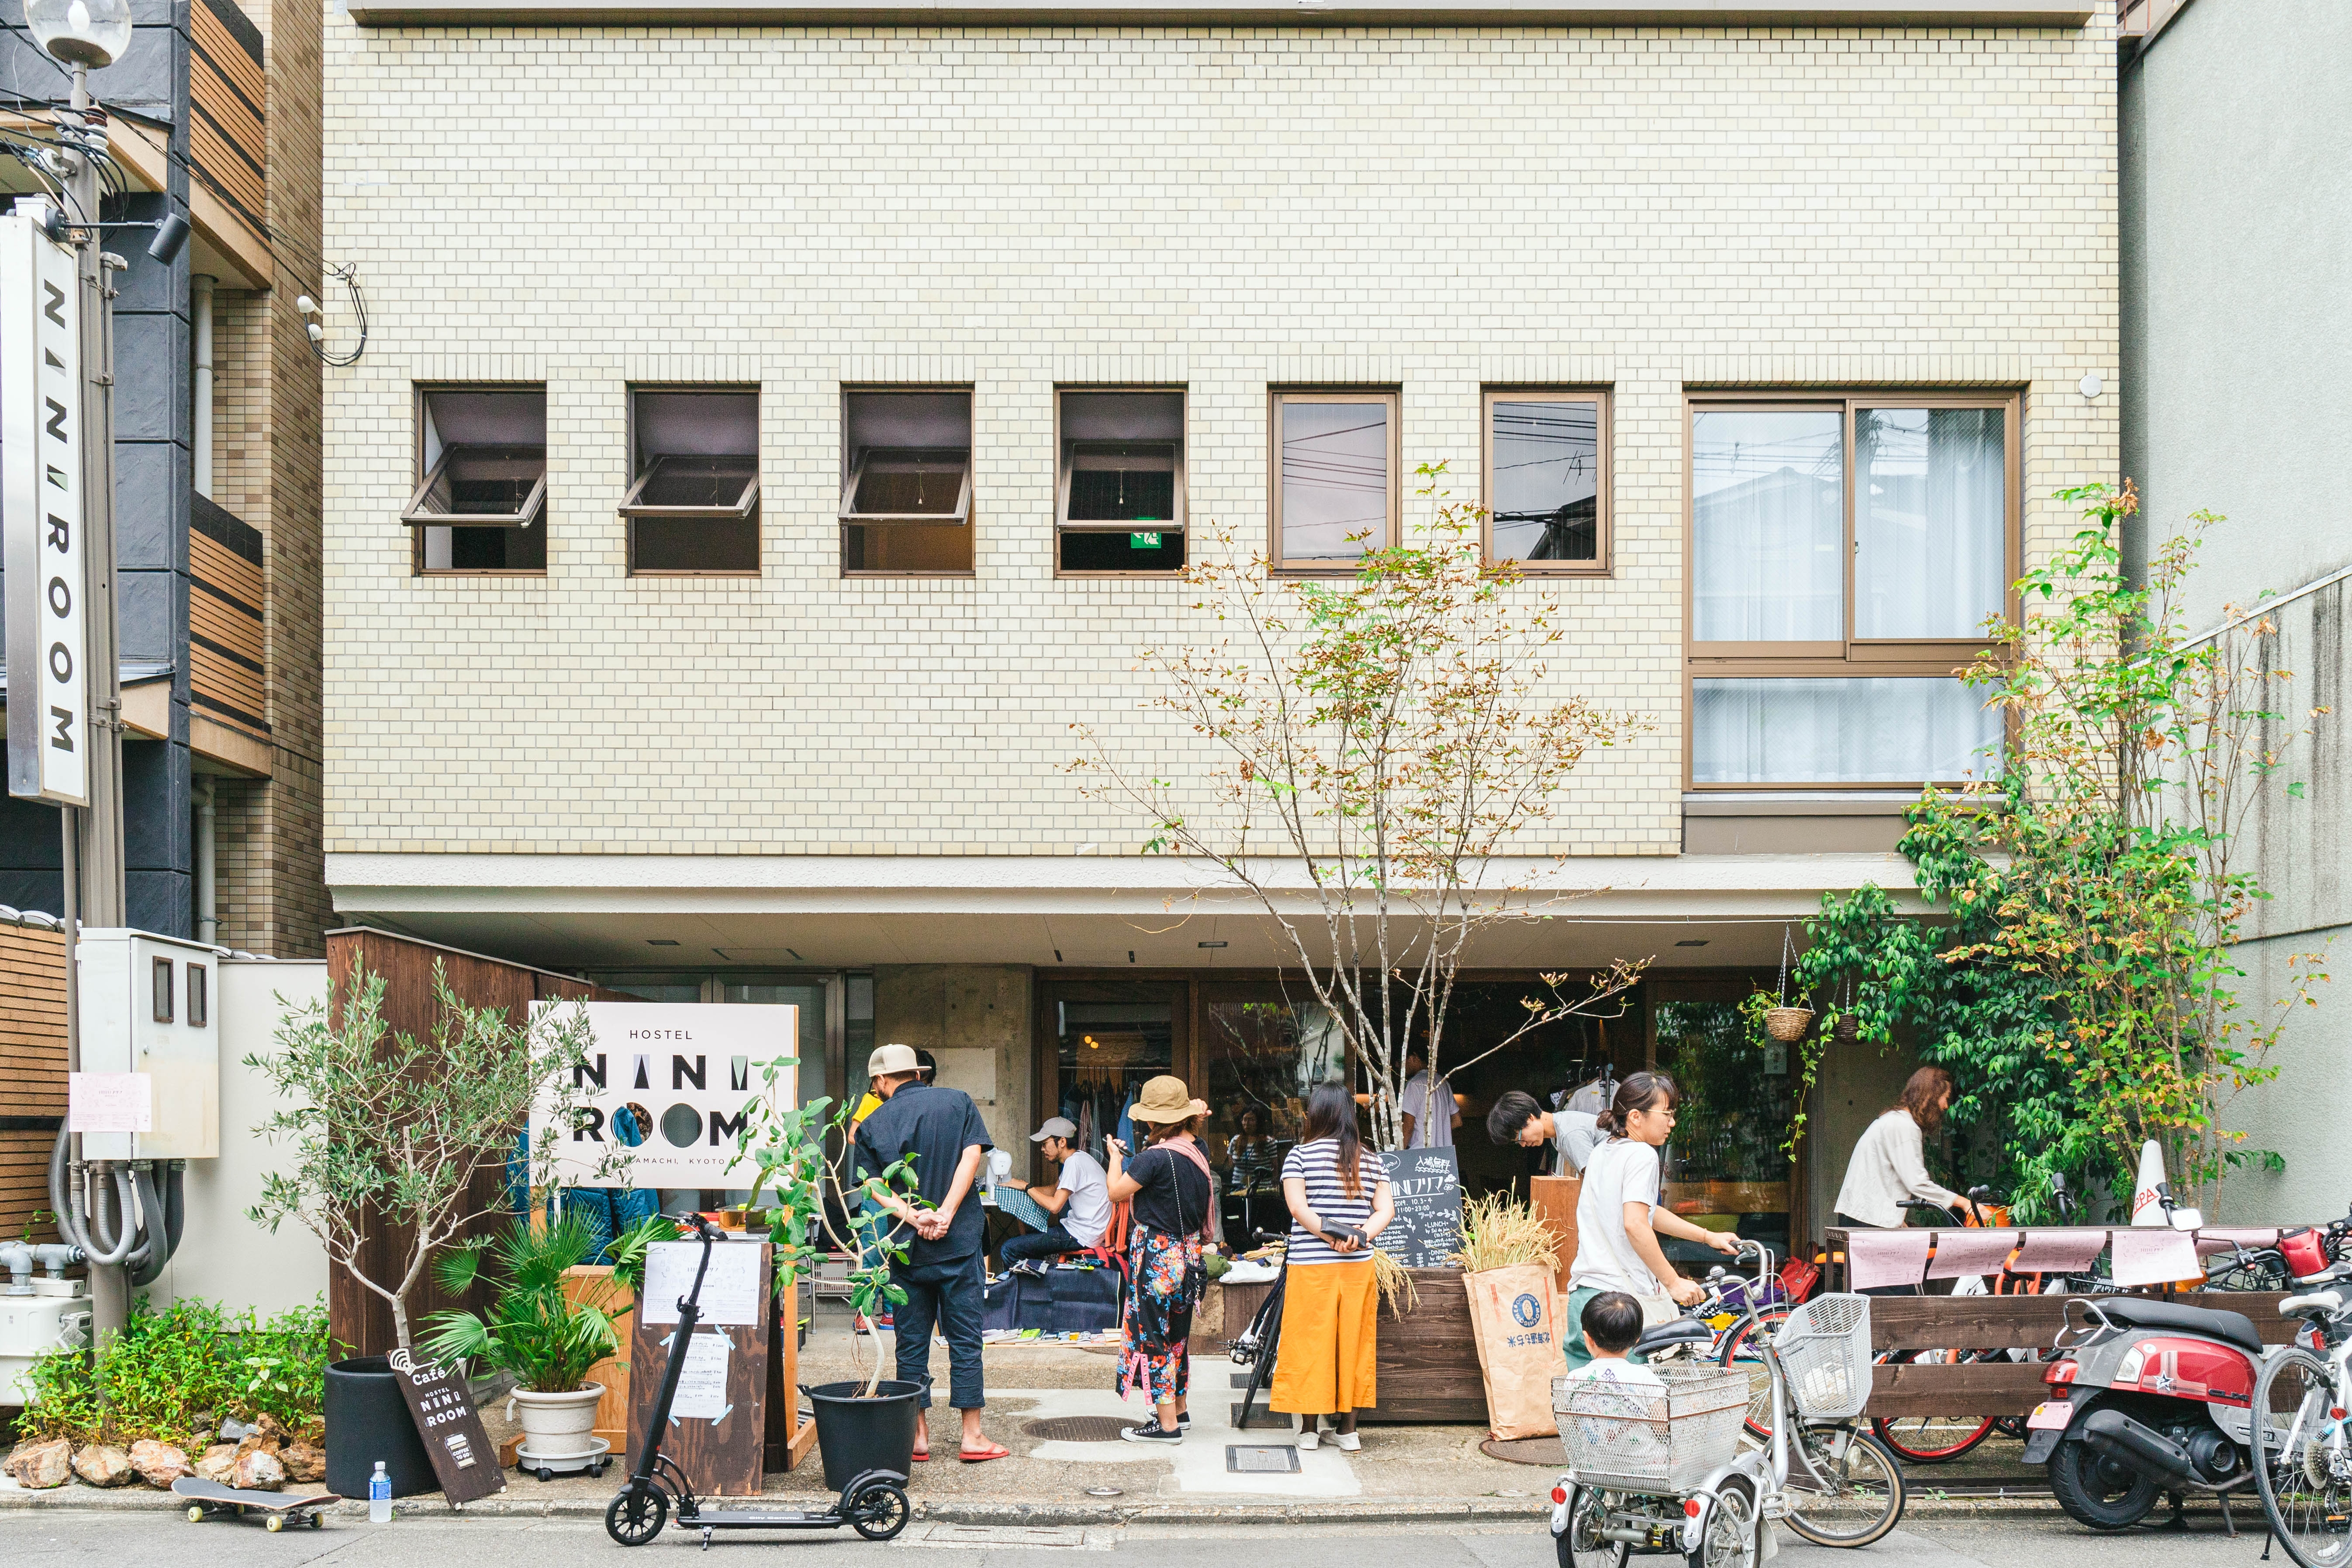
x: 1347, y: 1442
x: 1309, y: 1441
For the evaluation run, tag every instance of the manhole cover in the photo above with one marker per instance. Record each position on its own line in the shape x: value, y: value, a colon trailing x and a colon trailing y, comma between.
x: 1076, y: 1429
x: 1261, y: 1461
x: 1542, y: 1451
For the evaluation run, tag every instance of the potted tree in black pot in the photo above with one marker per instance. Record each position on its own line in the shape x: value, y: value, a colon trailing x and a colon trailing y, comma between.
x: 384, y: 1135
x: 805, y: 1157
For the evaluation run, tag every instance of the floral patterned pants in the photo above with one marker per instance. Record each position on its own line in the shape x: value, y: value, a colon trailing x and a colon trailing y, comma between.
x: 1167, y: 1280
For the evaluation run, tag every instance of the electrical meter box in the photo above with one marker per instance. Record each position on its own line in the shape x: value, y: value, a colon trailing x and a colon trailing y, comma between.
x: 151, y: 1005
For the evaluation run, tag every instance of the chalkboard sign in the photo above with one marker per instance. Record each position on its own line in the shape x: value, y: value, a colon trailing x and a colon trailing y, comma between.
x: 1427, y: 1186
x: 465, y: 1461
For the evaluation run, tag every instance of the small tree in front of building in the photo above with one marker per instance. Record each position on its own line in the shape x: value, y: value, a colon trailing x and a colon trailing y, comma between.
x: 387, y: 1133
x: 1386, y: 751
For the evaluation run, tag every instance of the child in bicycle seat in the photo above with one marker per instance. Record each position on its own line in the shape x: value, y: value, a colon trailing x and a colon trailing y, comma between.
x: 1612, y: 1323
x: 1628, y: 1425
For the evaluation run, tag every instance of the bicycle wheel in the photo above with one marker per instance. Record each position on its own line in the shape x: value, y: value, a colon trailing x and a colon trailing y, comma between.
x: 1269, y: 1343
x: 2301, y: 1465
x: 1865, y: 1497
x: 1580, y: 1545
x: 1740, y: 1351
x: 1932, y: 1439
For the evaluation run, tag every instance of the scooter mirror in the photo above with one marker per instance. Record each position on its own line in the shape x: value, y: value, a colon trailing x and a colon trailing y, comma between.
x: 2188, y: 1220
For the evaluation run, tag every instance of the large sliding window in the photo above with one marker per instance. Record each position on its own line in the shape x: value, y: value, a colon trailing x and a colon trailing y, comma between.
x: 1845, y: 555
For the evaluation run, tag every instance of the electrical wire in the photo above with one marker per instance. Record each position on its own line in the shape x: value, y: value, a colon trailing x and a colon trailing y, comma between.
x: 348, y: 275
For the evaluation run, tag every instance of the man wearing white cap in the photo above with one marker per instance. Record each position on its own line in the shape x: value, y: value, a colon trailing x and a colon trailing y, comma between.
x: 939, y: 1130
x: 1079, y: 1201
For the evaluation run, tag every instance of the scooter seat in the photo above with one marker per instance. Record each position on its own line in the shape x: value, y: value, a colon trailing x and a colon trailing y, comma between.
x: 2235, y: 1328
x: 1680, y: 1331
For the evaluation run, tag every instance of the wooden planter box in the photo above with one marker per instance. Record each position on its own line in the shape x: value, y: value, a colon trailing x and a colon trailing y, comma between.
x: 1428, y: 1365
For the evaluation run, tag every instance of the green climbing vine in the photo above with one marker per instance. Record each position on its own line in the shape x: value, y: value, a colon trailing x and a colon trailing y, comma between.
x: 2078, y: 981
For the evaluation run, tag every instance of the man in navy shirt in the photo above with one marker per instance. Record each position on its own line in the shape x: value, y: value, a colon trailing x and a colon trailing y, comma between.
x: 940, y: 1130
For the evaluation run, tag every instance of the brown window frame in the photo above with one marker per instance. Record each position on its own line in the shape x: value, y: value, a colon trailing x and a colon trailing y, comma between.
x: 1065, y: 452
x: 1891, y: 659
x: 1392, y: 399
x: 746, y: 506
x: 417, y: 523
x: 1601, y: 565
x: 853, y: 469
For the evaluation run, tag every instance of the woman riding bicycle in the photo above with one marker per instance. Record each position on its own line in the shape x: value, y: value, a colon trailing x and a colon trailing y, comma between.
x: 1619, y: 1218
x: 1889, y: 1168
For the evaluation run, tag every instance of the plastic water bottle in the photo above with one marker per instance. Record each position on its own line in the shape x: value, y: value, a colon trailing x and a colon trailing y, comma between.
x: 379, y: 1496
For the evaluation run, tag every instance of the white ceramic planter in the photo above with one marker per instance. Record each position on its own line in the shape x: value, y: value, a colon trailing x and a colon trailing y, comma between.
x: 557, y: 1425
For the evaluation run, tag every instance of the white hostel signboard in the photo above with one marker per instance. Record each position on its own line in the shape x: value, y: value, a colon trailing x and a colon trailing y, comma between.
x: 668, y: 1082
x: 41, y: 515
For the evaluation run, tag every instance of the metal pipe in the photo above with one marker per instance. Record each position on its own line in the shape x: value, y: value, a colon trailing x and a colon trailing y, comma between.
x: 200, y: 297
x: 2267, y: 606
x: 207, y: 891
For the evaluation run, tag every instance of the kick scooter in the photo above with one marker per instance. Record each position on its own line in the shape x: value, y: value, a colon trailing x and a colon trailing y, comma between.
x: 874, y: 1503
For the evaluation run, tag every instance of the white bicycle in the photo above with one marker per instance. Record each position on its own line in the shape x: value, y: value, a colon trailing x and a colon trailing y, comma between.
x: 2303, y: 1452
x: 1667, y: 1472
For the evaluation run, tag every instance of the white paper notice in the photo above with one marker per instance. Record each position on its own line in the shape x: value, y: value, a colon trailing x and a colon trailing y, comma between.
x: 702, y: 1381
x: 731, y: 1290
x: 110, y: 1102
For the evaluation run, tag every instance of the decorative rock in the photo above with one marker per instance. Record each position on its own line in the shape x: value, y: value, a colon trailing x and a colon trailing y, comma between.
x: 257, y: 1471
x: 303, y: 1462
x: 314, y: 1431
x: 102, y: 1464
x: 158, y: 1464
x: 272, y: 1430
x: 216, y: 1462
x: 40, y: 1465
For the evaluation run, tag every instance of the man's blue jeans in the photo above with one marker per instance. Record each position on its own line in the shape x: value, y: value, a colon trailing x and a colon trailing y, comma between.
x: 1051, y: 1242
x: 948, y: 1294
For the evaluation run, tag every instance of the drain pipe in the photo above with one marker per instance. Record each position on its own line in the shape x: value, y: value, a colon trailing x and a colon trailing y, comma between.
x: 200, y: 297
x: 207, y: 893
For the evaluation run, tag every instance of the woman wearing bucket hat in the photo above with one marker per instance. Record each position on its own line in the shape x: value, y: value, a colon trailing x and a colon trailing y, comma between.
x: 1171, y: 1198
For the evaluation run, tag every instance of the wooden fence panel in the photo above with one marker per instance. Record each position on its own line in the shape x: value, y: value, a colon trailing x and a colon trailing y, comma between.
x: 33, y: 1058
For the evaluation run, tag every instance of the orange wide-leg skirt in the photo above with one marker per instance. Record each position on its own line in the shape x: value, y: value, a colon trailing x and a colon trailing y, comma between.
x: 1328, y: 1361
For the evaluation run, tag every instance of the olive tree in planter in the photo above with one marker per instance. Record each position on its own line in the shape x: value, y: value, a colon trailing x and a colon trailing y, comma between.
x: 387, y: 1131
x: 803, y: 1155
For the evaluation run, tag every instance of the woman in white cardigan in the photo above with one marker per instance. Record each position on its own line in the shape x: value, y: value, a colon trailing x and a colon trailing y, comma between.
x: 1889, y: 1165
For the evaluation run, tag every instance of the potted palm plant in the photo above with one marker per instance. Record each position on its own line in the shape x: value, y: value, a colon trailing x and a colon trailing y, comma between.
x: 805, y: 1157
x: 535, y: 1332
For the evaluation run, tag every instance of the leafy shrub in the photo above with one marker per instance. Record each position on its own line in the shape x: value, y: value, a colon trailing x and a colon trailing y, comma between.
x: 173, y: 1374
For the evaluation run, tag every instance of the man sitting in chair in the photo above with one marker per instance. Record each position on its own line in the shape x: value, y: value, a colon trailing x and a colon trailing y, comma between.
x: 1078, y: 1201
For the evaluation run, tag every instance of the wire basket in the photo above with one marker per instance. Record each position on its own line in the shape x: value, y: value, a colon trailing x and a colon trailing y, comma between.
x: 1635, y: 1438
x: 1824, y: 1350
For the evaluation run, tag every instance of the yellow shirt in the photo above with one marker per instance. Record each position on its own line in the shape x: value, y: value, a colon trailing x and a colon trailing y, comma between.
x: 866, y: 1107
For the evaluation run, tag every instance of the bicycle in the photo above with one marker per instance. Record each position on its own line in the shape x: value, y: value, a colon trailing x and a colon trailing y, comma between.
x: 1257, y: 1346
x: 2301, y: 1450
x: 1670, y: 1474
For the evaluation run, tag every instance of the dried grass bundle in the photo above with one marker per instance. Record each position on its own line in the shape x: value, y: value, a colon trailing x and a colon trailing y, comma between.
x: 1395, y: 1281
x: 1497, y: 1233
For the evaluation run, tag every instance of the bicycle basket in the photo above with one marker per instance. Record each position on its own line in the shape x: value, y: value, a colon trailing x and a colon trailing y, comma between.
x: 1824, y: 1350
x: 1637, y: 1439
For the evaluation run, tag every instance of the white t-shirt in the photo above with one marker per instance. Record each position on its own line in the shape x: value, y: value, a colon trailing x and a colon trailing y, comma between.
x: 1621, y: 1171
x: 1628, y: 1428
x: 1576, y: 1135
x: 1432, y: 1129
x: 1088, y: 1214
x: 1603, y: 1370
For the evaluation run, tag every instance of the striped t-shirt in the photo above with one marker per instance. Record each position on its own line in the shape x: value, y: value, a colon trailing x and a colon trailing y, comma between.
x: 1317, y: 1164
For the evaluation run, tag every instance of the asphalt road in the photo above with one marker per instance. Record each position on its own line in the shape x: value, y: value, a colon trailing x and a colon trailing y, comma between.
x: 57, y: 1539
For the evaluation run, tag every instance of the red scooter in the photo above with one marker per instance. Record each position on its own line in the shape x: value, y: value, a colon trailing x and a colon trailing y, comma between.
x: 2148, y: 1397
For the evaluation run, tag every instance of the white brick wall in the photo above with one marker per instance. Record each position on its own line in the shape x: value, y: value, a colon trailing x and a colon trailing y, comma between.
x: 1225, y: 208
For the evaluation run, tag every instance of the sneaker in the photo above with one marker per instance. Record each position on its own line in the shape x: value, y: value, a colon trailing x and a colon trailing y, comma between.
x: 1309, y: 1441
x: 1151, y: 1433
x: 1183, y: 1421
x: 1347, y: 1442
x: 1030, y: 1267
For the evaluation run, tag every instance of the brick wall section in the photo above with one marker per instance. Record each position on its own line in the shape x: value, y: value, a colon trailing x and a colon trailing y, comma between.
x: 271, y: 875
x: 1013, y: 207
x: 33, y: 1044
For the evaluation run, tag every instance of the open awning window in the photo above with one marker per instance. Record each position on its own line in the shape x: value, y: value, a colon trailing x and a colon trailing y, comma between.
x: 695, y: 486
x: 483, y: 455
x: 915, y: 484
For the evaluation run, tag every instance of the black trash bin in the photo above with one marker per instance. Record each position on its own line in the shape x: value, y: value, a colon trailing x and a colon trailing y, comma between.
x: 368, y: 1421
x: 855, y: 1434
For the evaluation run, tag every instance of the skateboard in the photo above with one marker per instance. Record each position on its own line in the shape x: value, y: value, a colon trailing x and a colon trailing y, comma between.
x: 207, y: 1498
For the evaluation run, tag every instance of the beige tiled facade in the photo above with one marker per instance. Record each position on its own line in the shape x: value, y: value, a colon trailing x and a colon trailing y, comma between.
x: 1429, y: 208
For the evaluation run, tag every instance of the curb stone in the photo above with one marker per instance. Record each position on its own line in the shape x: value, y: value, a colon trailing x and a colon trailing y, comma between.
x: 950, y: 1510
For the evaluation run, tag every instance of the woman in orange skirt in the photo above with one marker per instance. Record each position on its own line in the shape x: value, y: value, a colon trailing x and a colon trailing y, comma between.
x: 1340, y: 1204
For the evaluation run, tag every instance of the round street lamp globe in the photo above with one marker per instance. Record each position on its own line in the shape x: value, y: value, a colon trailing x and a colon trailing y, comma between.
x: 91, y: 33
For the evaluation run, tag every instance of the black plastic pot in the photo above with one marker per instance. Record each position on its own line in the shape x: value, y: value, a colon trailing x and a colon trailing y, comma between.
x: 854, y: 1433
x: 367, y: 1422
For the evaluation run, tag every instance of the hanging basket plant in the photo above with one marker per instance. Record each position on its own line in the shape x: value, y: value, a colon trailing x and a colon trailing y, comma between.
x: 1788, y: 1024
